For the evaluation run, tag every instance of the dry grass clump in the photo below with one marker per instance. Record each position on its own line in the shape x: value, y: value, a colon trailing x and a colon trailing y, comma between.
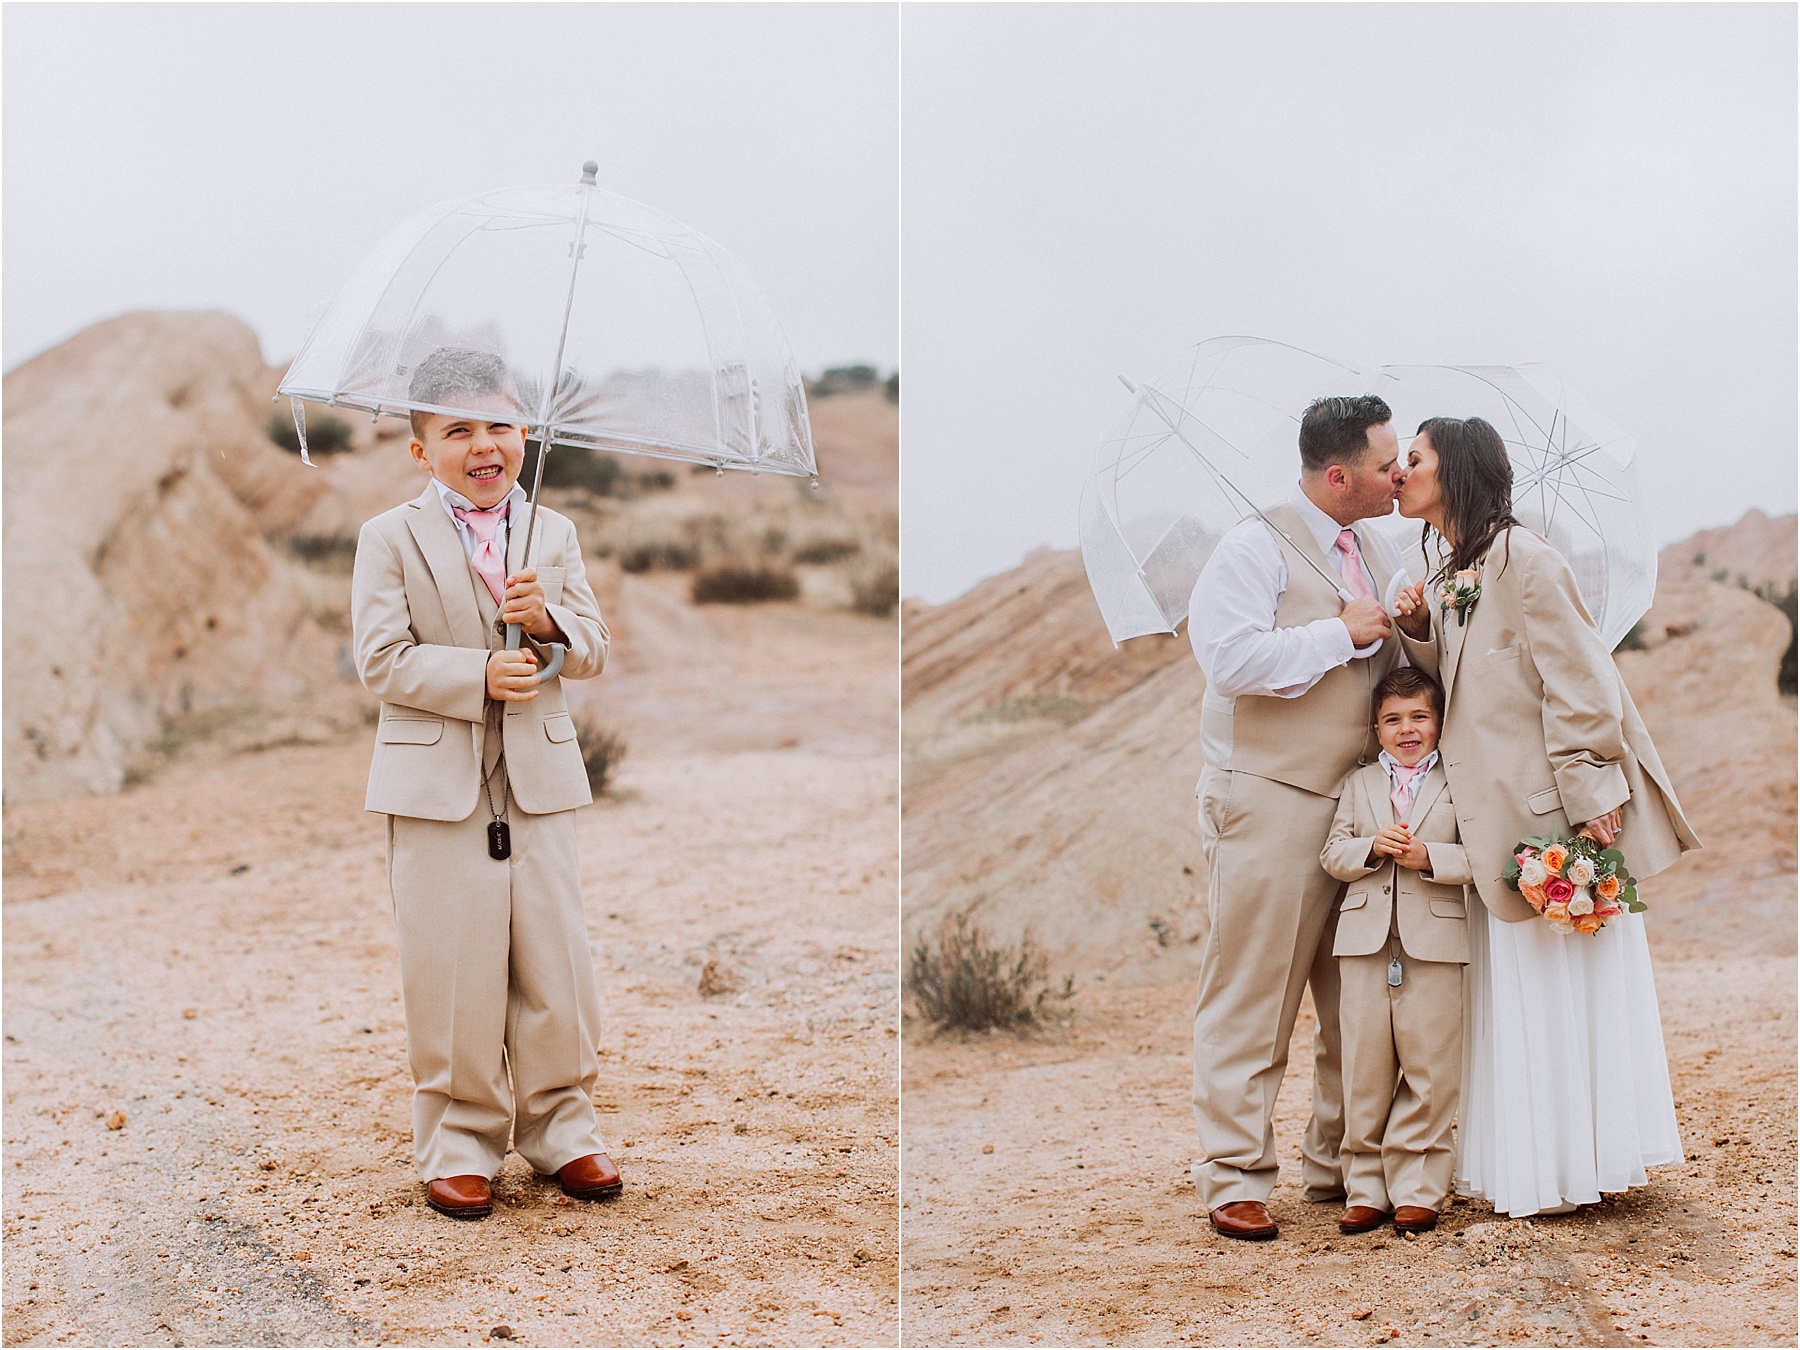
x: 875, y: 589
x: 961, y: 980
x: 736, y: 584
x: 822, y: 550
x: 602, y: 751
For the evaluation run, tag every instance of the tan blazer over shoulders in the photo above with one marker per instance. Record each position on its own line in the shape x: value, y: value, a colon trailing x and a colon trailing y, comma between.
x: 421, y: 645
x: 1540, y: 733
x: 1432, y: 909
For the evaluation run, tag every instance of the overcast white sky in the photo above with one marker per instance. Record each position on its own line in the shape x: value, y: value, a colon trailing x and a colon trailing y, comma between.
x: 244, y: 156
x: 1607, y: 188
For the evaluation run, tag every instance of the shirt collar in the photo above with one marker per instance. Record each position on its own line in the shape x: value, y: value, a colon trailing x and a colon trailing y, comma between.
x: 1322, y: 527
x: 453, y: 499
x: 1423, y: 767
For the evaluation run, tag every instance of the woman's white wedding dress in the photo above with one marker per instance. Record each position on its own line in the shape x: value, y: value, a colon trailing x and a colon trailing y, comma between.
x: 1565, y: 1086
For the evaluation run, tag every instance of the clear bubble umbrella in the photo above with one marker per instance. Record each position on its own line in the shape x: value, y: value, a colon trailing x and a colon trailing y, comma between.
x: 624, y: 331
x: 1209, y: 442
x: 1214, y: 440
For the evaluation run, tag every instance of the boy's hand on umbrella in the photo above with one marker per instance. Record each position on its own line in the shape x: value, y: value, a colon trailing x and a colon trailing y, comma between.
x: 524, y: 605
x: 512, y: 676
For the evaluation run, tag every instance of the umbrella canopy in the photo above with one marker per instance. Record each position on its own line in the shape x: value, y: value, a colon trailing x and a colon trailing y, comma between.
x: 1210, y: 441
x: 1214, y: 439
x: 623, y: 330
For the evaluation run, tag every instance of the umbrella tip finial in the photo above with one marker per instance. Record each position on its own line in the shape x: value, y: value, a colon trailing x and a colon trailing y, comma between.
x: 1126, y: 381
x: 589, y: 171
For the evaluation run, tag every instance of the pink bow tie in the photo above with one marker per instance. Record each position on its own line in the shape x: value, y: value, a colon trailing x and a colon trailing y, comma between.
x: 1406, y: 783
x: 488, y: 563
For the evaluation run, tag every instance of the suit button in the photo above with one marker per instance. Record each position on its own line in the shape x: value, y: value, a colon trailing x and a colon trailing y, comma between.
x: 1386, y: 889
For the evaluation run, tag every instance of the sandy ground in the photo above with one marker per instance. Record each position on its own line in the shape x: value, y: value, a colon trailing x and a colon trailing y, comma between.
x: 1046, y: 1200
x: 207, y: 963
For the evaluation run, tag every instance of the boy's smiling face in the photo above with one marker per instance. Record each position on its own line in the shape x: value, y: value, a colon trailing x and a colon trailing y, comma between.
x: 1407, y: 727
x: 479, y: 457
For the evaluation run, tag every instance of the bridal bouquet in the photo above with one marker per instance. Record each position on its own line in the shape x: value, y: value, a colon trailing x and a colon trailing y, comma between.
x: 1577, y: 884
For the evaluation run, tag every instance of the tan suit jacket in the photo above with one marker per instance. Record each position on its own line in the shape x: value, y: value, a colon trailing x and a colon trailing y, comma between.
x: 422, y: 645
x: 1431, y: 910
x: 1540, y: 733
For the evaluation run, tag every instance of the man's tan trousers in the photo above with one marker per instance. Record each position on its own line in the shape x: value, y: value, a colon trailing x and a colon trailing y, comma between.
x: 498, y: 983
x: 1271, y: 914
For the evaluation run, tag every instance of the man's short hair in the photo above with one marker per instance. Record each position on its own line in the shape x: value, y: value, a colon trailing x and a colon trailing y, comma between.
x: 450, y: 371
x: 1406, y: 682
x: 1336, y: 430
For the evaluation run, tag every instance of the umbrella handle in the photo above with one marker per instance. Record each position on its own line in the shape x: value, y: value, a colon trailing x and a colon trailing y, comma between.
x: 514, y: 635
x: 1373, y: 647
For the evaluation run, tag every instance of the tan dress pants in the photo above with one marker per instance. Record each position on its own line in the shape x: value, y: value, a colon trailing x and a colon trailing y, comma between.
x: 1272, y: 913
x: 496, y: 975
x: 1402, y: 1078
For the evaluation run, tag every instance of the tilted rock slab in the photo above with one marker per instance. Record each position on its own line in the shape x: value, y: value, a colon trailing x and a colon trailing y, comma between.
x: 139, y: 487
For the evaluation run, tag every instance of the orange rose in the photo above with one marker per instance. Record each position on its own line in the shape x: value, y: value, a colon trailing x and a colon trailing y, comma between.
x: 1554, y: 857
x: 1608, y: 888
x: 1557, y: 913
x: 1535, y: 894
x: 1587, y: 923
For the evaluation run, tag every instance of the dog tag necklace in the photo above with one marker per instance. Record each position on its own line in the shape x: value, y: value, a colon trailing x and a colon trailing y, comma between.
x: 499, y: 833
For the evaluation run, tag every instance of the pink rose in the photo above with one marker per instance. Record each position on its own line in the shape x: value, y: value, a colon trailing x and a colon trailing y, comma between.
x: 1605, y: 908
x: 1559, y: 890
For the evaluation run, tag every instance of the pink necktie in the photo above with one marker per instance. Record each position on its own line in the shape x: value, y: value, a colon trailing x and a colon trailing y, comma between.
x: 1351, y: 568
x: 1405, y: 785
x: 488, y: 563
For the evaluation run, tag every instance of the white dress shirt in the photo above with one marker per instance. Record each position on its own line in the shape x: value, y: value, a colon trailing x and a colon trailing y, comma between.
x: 1231, y: 614
x: 1391, y: 764
x: 470, y: 540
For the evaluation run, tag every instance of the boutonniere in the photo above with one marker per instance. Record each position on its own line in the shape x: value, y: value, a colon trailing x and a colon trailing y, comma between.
x: 1460, y: 593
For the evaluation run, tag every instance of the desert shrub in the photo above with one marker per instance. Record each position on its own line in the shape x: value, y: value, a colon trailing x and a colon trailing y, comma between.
x: 325, y: 433
x: 960, y: 979
x: 735, y: 584
x: 659, y: 555
x: 657, y: 480
x: 815, y: 552
x: 842, y: 380
x: 876, y: 590
x: 323, y: 550
x: 567, y: 467
x: 1786, y: 601
x: 1633, y: 641
x: 891, y: 387
x: 602, y: 751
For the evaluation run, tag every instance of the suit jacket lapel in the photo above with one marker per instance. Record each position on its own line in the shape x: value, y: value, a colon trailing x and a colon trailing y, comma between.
x: 1381, y: 802
x: 515, y: 537
x: 1451, y: 634
x: 435, y: 532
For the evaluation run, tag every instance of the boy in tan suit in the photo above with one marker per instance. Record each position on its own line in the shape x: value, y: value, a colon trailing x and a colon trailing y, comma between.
x: 477, y: 769
x: 1402, y: 942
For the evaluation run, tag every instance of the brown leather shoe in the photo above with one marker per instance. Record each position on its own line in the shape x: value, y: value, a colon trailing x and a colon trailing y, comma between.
x: 1361, y: 1219
x: 460, y: 1197
x: 1246, y: 1219
x: 1414, y: 1219
x: 591, y: 1178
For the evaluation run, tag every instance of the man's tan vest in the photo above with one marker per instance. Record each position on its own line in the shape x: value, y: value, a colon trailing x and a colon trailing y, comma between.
x: 1313, y: 741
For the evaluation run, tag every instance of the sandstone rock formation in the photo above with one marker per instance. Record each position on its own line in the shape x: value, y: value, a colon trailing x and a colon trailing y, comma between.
x: 140, y: 488
x: 1049, y: 779
x: 1759, y: 550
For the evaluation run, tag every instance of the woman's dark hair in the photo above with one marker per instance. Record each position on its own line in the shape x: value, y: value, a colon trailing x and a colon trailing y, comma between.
x: 1475, y: 476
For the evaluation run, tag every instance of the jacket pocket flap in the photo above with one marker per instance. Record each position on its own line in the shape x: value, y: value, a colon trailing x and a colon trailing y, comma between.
x: 1503, y: 653
x: 1543, y: 803
x: 1355, y: 900
x: 1449, y: 909
x: 409, y: 731
x: 558, y: 727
